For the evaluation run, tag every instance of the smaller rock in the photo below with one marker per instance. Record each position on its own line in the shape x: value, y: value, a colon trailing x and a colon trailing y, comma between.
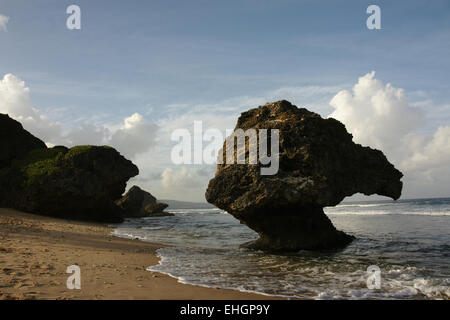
x: 156, y: 210
x: 138, y: 203
x: 133, y: 203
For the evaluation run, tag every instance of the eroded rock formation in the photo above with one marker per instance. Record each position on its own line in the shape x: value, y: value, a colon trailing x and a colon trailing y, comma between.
x: 139, y: 203
x: 157, y: 209
x: 78, y: 183
x: 319, y: 165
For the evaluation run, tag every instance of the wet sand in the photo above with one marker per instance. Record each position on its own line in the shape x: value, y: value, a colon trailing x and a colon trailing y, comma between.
x: 35, y: 252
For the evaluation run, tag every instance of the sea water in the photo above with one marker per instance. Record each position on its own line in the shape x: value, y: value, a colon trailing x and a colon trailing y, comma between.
x: 409, y: 240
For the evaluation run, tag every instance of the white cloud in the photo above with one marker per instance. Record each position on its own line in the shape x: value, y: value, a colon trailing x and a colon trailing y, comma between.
x: 314, y: 97
x: 376, y: 114
x: 433, y: 153
x: 180, y: 178
x: 223, y: 115
x: 380, y: 116
x: 87, y: 133
x: 133, y: 137
x: 15, y: 101
x: 3, y: 22
x: 189, y: 183
x: 185, y: 182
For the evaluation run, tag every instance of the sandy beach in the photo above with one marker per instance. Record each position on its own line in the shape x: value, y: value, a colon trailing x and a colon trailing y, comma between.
x: 36, y: 250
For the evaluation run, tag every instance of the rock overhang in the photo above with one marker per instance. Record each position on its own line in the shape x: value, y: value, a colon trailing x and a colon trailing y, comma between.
x: 319, y: 165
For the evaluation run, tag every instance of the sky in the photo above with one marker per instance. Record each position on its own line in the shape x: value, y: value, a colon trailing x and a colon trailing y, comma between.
x: 138, y: 70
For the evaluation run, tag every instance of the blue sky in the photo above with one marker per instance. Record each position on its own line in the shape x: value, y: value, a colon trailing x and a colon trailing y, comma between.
x: 160, y: 58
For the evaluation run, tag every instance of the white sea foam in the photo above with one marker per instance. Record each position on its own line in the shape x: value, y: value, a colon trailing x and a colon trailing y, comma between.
x: 361, y: 205
x: 330, y: 211
x: 410, y: 250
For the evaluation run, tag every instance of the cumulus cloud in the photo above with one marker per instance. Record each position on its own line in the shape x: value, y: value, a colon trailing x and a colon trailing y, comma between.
x: 181, y: 178
x: 431, y: 153
x: 3, y: 22
x: 377, y: 115
x: 186, y: 183
x: 15, y: 101
x: 133, y: 137
x: 380, y: 116
x: 87, y: 133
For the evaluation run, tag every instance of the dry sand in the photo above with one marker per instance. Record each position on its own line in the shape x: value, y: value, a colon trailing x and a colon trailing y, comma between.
x: 35, y: 252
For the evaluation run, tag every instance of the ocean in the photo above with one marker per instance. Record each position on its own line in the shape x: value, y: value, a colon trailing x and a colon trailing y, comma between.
x: 408, y: 240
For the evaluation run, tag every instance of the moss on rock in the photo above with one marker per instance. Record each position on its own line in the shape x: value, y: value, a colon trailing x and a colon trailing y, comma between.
x: 78, y: 183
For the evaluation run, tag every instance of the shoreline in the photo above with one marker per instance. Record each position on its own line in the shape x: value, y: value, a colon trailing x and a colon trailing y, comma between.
x: 36, y: 250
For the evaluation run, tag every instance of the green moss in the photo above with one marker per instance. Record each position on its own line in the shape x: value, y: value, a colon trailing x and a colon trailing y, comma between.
x: 75, y: 151
x: 37, y: 171
x: 78, y: 150
x: 41, y: 164
x: 38, y: 164
x: 37, y: 156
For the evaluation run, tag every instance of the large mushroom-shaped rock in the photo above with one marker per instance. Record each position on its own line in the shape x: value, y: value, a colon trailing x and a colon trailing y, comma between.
x: 319, y: 165
x: 138, y: 203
